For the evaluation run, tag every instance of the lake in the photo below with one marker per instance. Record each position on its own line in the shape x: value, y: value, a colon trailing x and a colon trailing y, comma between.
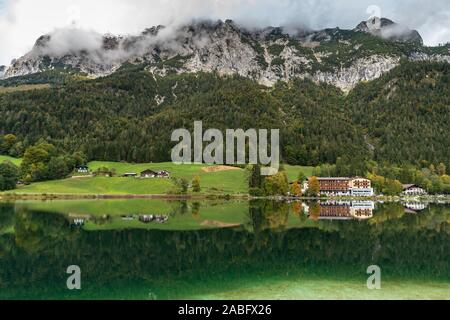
x: 217, y: 249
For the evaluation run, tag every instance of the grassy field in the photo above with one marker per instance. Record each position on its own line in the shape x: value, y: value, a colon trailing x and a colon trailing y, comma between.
x: 98, y: 185
x: 292, y: 172
x: 212, y: 182
x: 16, y: 161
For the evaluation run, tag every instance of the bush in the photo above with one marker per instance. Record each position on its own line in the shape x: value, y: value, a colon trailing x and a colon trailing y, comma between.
x: 9, y: 174
x: 196, y: 184
x: 255, y: 192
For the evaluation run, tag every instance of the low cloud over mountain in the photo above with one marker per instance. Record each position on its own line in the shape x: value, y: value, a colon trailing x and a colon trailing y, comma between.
x: 21, y: 22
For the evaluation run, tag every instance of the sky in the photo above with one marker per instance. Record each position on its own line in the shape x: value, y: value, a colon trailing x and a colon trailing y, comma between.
x: 23, y: 21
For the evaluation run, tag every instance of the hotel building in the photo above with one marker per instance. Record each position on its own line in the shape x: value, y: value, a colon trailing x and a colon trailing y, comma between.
x: 342, y: 186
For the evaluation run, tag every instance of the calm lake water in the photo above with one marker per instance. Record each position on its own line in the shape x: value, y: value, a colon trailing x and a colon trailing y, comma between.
x: 155, y: 249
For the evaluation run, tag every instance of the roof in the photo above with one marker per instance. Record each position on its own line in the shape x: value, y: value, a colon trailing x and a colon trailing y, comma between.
x: 408, y: 186
x: 333, y: 178
x: 340, y: 178
x: 149, y: 171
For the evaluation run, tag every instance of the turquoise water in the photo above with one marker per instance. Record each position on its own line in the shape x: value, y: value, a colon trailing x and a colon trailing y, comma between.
x: 222, y: 250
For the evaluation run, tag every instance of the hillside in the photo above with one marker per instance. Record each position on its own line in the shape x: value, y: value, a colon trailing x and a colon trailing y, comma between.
x: 406, y: 114
x: 400, y: 118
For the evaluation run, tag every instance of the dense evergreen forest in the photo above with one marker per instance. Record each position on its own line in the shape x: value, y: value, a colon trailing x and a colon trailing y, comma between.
x: 401, y: 118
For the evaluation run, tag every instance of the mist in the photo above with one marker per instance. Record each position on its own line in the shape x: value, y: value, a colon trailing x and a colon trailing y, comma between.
x: 23, y: 21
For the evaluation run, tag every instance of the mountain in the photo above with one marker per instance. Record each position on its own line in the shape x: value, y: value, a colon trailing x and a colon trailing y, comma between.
x: 2, y: 71
x: 389, y: 30
x: 342, y: 58
x: 118, y: 98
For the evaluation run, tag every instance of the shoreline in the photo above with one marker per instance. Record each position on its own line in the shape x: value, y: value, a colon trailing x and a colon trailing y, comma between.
x: 68, y: 196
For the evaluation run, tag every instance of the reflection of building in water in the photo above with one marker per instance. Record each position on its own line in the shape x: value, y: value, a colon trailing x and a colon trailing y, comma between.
x: 334, y: 211
x: 305, y: 208
x: 413, y: 190
x: 344, y: 210
x: 362, y: 209
x: 78, y: 220
x: 414, y: 206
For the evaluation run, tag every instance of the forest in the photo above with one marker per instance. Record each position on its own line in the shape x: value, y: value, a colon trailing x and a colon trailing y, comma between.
x: 400, y: 119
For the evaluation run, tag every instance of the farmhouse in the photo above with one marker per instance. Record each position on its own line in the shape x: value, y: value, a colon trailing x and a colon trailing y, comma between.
x: 163, y: 174
x: 129, y: 175
x: 82, y: 169
x: 154, y: 174
x: 413, y: 190
x: 149, y: 174
x: 415, y: 206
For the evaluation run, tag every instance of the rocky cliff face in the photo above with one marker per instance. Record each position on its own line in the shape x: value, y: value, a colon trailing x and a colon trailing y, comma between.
x: 365, y: 69
x: 342, y: 58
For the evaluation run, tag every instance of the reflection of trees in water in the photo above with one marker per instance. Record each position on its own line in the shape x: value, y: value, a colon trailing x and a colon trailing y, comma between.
x: 314, y: 211
x: 268, y: 215
x: 6, y: 217
x: 392, y: 216
x: 6, y: 225
x: 387, y: 211
x: 35, y: 231
x: 43, y: 245
x: 196, y: 209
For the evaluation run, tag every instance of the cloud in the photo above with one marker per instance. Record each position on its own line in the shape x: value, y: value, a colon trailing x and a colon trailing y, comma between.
x: 23, y: 21
x: 111, y: 49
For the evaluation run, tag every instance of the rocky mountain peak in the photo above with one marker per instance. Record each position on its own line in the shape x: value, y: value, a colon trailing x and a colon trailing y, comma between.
x: 42, y: 41
x: 267, y: 55
x: 153, y: 31
x: 388, y: 29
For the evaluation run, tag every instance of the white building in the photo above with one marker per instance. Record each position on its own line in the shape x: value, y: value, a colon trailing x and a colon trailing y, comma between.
x: 360, y: 187
x: 361, y: 192
x: 82, y: 169
x: 413, y: 190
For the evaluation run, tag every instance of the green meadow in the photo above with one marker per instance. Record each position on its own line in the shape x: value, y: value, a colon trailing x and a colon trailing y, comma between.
x: 213, y: 182
x: 16, y: 161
